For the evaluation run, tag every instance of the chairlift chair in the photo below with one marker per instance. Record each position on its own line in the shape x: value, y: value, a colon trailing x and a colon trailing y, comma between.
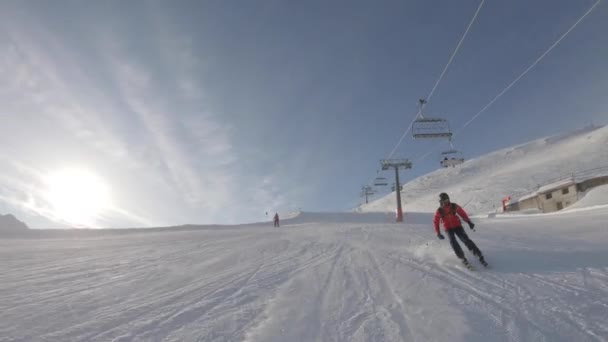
x: 450, y: 152
x: 428, y: 127
x: 451, y: 158
x: 380, y: 181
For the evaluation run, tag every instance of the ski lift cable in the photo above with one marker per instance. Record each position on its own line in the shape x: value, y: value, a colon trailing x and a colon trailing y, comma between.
x: 445, y: 69
x: 409, y: 128
x: 530, y: 67
x: 424, y: 156
x: 438, y: 80
x: 474, y: 117
x: 404, y: 135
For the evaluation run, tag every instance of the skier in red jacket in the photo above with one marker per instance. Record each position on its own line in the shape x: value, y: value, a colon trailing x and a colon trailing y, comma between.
x: 448, y: 214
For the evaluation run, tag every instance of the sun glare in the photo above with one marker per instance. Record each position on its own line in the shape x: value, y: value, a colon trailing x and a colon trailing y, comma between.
x: 77, y: 196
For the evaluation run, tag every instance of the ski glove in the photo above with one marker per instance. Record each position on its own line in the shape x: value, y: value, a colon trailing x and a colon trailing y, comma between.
x: 471, y: 225
x: 441, y: 237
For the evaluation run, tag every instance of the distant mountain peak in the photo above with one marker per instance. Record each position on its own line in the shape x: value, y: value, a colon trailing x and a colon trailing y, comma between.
x: 10, y: 225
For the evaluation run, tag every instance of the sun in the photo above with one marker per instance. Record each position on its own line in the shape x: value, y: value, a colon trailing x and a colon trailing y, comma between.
x: 77, y: 196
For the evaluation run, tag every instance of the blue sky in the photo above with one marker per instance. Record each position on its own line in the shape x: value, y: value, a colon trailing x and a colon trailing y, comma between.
x: 218, y: 111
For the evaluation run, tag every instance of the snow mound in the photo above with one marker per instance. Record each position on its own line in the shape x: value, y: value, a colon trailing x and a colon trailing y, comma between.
x: 594, y: 197
x: 480, y: 183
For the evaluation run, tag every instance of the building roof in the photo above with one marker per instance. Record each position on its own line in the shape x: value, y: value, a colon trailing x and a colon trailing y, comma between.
x: 528, y: 196
x: 555, y: 186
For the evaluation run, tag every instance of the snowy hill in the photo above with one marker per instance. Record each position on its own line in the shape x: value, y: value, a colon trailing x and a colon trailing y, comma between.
x: 11, y: 226
x: 481, y: 183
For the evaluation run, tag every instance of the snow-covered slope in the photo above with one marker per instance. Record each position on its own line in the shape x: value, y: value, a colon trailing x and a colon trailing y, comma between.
x: 593, y: 198
x: 481, y: 183
x: 320, y: 277
x: 345, y: 217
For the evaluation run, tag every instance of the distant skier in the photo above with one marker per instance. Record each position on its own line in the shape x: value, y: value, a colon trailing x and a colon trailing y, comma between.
x: 448, y: 213
x: 276, y: 219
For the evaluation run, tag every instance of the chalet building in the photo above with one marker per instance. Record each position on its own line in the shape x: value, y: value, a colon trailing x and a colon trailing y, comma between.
x: 555, y: 196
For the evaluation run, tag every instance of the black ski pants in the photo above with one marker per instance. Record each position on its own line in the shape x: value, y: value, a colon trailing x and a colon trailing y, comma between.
x: 462, y: 235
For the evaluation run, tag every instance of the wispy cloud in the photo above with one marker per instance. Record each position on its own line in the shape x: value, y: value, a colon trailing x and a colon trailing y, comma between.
x: 193, y: 144
x: 143, y: 112
x: 131, y: 121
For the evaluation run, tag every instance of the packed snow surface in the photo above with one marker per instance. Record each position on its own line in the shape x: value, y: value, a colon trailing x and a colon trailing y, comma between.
x: 320, y: 277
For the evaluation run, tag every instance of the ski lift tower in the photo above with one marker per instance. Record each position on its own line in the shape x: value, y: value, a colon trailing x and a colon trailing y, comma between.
x: 397, y: 164
x: 367, y: 191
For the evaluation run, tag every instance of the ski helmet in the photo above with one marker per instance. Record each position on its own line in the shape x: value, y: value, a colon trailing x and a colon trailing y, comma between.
x: 443, y: 197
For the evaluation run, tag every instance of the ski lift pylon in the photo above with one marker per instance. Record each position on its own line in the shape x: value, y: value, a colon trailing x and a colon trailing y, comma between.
x: 427, y: 127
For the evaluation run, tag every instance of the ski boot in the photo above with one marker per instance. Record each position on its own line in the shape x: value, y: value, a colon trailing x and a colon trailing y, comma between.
x: 483, y: 261
x: 466, y: 264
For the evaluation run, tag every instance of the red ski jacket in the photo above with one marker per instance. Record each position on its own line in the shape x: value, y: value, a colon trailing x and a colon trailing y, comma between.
x: 448, y: 215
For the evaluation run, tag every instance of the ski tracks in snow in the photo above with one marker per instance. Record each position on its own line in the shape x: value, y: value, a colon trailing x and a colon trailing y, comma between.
x: 349, y: 298
x: 317, y: 282
x: 520, y: 306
